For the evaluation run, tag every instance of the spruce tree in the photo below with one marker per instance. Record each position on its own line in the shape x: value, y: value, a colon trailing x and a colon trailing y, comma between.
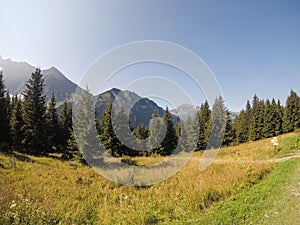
x: 269, y: 119
x: 229, y: 134
x: 291, y: 117
x: 65, y: 121
x: 218, y: 123
x: 124, y: 137
x: 53, y: 128
x: 107, y: 135
x: 240, y: 127
x: 204, y: 120
x: 4, y: 117
x: 16, y: 123
x: 156, y: 133
x: 257, y: 123
x: 191, y: 133
x: 170, y: 140
x: 84, y: 126
x: 279, y: 117
x: 34, y: 116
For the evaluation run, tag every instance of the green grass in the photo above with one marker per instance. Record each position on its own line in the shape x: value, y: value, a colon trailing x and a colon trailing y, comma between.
x: 275, y: 200
x: 289, y: 146
x: 41, y: 190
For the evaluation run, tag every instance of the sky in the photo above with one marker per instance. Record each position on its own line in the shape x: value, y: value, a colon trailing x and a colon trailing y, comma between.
x: 252, y: 47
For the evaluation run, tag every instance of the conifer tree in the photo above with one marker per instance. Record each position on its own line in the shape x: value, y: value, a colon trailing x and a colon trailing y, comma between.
x: 218, y: 123
x: 53, y: 128
x: 170, y: 140
x: 191, y: 133
x: 291, y: 117
x: 65, y: 121
x: 124, y: 137
x: 107, y: 135
x: 269, y: 119
x: 84, y: 126
x: 204, y: 120
x: 257, y: 123
x: 240, y: 127
x: 4, y: 117
x: 156, y: 133
x: 279, y: 117
x: 229, y: 134
x: 34, y: 116
x: 16, y: 123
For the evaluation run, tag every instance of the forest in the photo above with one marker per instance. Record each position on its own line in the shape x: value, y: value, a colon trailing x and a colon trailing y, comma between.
x: 30, y: 125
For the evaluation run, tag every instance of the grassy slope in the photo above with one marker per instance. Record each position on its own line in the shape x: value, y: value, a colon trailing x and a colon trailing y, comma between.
x: 275, y: 200
x: 49, y: 191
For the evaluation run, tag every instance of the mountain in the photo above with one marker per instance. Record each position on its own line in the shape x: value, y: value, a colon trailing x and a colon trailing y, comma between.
x: 184, y: 111
x: 139, y: 109
x: 16, y: 74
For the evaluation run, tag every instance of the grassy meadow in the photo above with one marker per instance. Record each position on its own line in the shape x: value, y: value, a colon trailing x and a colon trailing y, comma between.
x: 40, y: 190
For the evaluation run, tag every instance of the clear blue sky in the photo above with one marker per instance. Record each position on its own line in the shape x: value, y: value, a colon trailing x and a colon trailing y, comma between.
x: 251, y: 46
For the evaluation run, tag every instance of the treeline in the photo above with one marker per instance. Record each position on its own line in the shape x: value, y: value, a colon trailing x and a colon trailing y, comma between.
x: 29, y: 125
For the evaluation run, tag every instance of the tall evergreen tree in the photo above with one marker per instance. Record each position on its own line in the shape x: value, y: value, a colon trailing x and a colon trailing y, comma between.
x: 240, y: 127
x: 16, y: 123
x: 53, y: 128
x: 204, y: 120
x: 84, y: 126
x: 170, y: 141
x: 65, y: 121
x: 278, y: 117
x: 191, y: 130
x: 34, y: 116
x: 229, y: 135
x: 269, y: 119
x: 291, y: 117
x: 156, y: 133
x: 107, y: 135
x: 4, y: 117
x: 218, y: 123
x: 257, y: 123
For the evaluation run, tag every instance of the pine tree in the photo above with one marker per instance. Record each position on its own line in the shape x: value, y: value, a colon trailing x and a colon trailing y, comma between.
x: 65, y: 121
x: 269, y: 119
x: 218, y: 123
x: 124, y: 136
x: 291, y: 117
x: 257, y: 123
x: 240, y: 127
x: 170, y: 140
x: 204, y: 120
x: 141, y: 133
x: 191, y: 133
x: 4, y: 117
x: 34, y: 116
x: 229, y: 134
x: 84, y: 126
x: 279, y: 117
x: 107, y: 135
x: 16, y: 123
x: 53, y: 128
x: 156, y: 133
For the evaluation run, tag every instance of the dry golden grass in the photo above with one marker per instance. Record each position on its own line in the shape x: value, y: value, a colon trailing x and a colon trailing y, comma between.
x: 51, y: 191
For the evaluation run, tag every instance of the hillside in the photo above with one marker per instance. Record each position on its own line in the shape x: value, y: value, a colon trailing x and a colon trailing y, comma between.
x: 36, y: 190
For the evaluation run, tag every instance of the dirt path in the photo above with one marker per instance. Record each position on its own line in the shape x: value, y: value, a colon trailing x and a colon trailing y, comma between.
x: 297, y: 155
x: 285, y: 158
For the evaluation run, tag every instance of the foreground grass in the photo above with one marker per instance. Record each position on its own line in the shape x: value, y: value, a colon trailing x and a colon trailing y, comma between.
x: 275, y: 200
x: 50, y: 191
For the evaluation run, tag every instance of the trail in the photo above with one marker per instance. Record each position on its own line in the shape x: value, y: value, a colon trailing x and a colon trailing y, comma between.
x: 276, y: 160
